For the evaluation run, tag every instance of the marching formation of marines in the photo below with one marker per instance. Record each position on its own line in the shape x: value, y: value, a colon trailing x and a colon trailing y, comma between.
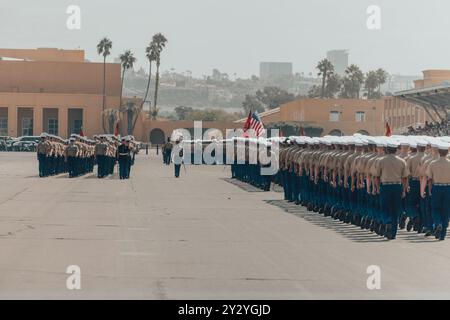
x: 78, y: 155
x: 381, y: 184
x: 248, y: 162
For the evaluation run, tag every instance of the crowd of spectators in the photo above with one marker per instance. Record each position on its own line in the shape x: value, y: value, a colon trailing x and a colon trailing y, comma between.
x: 435, y: 129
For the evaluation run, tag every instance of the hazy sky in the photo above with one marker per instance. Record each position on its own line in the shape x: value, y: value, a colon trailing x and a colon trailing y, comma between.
x: 235, y: 35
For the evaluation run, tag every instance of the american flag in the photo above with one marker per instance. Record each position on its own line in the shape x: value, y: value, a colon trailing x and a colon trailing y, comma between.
x: 254, y: 122
x: 388, y: 130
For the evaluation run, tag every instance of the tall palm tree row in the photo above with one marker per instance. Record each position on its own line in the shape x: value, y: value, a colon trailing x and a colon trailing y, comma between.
x: 370, y: 84
x: 159, y: 41
x: 326, y: 69
x: 150, y: 53
x: 104, y: 48
x: 356, y: 78
x: 127, y: 60
x: 382, y: 77
x: 350, y: 85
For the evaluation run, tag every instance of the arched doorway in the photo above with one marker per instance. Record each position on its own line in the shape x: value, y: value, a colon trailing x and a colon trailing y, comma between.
x: 157, y: 136
x: 336, y: 132
x: 364, y: 132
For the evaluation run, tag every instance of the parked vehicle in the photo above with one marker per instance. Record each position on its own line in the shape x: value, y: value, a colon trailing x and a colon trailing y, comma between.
x: 25, y: 143
x: 6, y: 143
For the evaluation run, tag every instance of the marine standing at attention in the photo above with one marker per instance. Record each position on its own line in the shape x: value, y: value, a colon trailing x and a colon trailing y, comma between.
x: 123, y: 156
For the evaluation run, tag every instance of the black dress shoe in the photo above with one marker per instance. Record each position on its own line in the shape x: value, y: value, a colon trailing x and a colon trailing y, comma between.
x: 368, y: 223
x: 388, y: 232
x: 348, y: 218
x: 332, y: 210
x: 417, y: 226
x: 382, y: 230
x: 357, y: 220
x: 410, y: 225
x: 364, y: 222
x: 401, y: 224
x: 336, y: 215
x: 438, y: 231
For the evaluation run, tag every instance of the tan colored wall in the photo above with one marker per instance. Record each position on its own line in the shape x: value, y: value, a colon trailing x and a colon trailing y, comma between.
x: 147, y: 125
x: 91, y: 105
x: 44, y: 54
x: 398, y: 113
x: 59, y: 77
x: 432, y: 78
x: 401, y: 114
x: 317, y: 112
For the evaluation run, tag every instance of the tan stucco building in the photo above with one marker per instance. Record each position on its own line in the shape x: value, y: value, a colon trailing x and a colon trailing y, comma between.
x: 348, y: 116
x: 53, y: 90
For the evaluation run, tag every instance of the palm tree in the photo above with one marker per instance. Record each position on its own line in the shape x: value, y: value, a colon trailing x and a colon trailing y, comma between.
x: 356, y: 78
x: 127, y: 60
x: 132, y: 111
x: 334, y: 84
x: 154, y: 113
x: 160, y: 42
x: 370, y: 84
x: 326, y: 69
x: 382, y: 78
x: 104, y: 49
x: 111, y: 117
x: 150, y: 53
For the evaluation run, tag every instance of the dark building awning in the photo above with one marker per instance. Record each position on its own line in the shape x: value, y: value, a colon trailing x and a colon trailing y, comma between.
x: 432, y: 99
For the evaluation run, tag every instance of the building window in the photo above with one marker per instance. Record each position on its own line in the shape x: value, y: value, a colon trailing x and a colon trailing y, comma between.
x: 360, y: 116
x: 27, y: 126
x: 3, y: 126
x: 334, y: 116
x: 53, y: 126
x: 77, y: 125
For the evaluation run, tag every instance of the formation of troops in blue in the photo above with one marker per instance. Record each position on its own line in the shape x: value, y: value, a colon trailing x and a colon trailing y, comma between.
x: 381, y: 184
x: 78, y: 155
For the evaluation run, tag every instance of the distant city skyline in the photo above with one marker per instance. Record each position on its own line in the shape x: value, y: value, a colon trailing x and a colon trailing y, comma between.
x: 235, y: 36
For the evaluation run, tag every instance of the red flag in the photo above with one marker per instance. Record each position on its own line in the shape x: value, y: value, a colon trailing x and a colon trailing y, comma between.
x: 248, y: 121
x: 116, y: 129
x: 81, y: 132
x: 388, y: 130
x: 302, y: 131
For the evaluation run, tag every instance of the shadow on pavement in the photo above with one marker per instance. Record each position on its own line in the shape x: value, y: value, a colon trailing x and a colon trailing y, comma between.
x: 349, y: 231
x: 244, y: 186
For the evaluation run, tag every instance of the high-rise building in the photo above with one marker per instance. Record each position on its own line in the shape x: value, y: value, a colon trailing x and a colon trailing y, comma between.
x: 339, y: 59
x: 270, y: 70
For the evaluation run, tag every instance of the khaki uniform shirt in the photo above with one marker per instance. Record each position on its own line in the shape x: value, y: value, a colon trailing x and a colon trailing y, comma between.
x: 413, y: 163
x: 101, y: 149
x: 43, y: 147
x: 439, y: 171
x: 392, y: 169
x: 71, y: 150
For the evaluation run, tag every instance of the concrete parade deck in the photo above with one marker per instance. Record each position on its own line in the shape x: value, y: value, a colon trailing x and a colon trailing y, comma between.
x: 198, y: 237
